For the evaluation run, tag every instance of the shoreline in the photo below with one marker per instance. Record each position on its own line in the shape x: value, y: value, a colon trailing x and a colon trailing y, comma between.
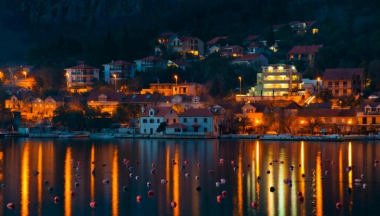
x: 280, y: 137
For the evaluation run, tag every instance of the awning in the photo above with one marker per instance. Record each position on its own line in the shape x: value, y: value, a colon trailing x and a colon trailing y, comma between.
x: 195, y: 125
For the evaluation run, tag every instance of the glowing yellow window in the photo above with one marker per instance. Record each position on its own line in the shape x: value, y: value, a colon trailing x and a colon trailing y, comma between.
x: 315, y: 31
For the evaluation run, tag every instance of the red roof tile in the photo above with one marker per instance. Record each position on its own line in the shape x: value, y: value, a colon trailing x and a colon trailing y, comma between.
x: 254, y: 44
x: 252, y: 37
x: 120, y: 62
x: 111, y: 96
x: 248, y: 57
x: 215, y: 40
x: 151, y: 58
x: 305, y: 49
x: 166, y: 35
x: 203, y: 112
x: 181, y: 63
x: 158, y: 111
x: 326, y: 113
x: 141, y: 98
x: 342, y: 73
x: 83, y: 66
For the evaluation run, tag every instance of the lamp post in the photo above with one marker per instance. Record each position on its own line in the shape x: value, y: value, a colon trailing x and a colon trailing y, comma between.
x: 176, y: 83
x: 318, y: 79
x: 24, y: 72
x: 340, y: 102
x: 240, y: 83
x: 114, y: 75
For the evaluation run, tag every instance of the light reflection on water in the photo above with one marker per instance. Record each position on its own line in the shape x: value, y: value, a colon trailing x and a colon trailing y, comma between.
x: 18, y: 159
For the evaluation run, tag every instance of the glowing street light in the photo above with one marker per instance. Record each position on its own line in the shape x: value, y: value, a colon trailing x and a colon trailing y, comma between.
x: 240, y: 84
x: 114, y: 75
x: 176, y: 83
x: 24, y: 72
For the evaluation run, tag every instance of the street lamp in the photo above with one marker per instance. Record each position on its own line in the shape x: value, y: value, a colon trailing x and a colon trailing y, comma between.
x: 318, y: 79
x: 176, y: 82
x: 340, y: 102
x: 24, y: 72
x: 240, y: 83
x: 114, y: 75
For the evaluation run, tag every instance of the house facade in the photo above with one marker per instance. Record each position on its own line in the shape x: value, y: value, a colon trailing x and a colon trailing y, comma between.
x: 150, y: 63
x: 231, y: 51
x: 250, y: 39
x: 304, y: 53
x: 279, y: 80
x: 368, y: 115
x: 255, y: 113
x: 343, y: 82
x: 80, y: 78
x: 118, y: 70
x: 253, y: 60
x: 215, y: 42
x: 170, y: 89
x: 184, y: 101
x: 152, y: 117
x: 187, y: 47
x: 105, y: 101
x: 196, y: 121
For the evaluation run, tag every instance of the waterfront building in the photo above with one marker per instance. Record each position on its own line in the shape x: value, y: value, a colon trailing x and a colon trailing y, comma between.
x: 152, y: 117
x: 341, y: 82
x: 80, y: 77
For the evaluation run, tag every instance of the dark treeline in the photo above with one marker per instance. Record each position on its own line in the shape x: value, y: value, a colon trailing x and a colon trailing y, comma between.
x: 55, y: 34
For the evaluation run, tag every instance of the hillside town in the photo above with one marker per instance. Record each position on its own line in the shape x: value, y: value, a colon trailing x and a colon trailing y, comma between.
x: 101, y: 100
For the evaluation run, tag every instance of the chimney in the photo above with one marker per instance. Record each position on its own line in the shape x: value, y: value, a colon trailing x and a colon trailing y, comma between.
x: 80, y: 62
x: 142, y: 109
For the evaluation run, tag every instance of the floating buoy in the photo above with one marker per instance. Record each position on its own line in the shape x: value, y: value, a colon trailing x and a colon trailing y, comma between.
x: 131, y: 175
x: 186, y: 162
x: 303, y: 175
x: 275, y: 160
x: 127, y: 163
x: 104, y: 164
x: 375, y: 164
x: 182, y: 167
x: 2, y: 185
x: 219, y: 198
x: 199, y: 165
x: 148, y: 184
x: 56, y: 199
x: 164, y: 181
x: 138, y: 198
x: 187, y: 175
x: 137, y: 162
x: 327, y: 160
x: 364, y: 185
x: 268, y: 172
x: 79, y: 163
x: 338, y: 205
x: 174, y: 163
x: 35, y: 172
x: 106, y: 181
x: 301, y: 199
x: 272, y: 189
x: 258, y: 177
x: 376, y: 161
x: 77, y: 175
x: 76, y: 184
x: 50, y: 189
x: 150, y: 193
x: 93, y: 204
x: 349, y: 190
x: 359, y: 181
x: 173, y: 204
x: 287, y: 181
x: 10, y: 205
x: 137, y: 177
x: 72, y: 160
x: 124, y: 160
x: 72, y: 193
x: 217, y: 184
x: 93, y: 171
x: 125, y: 188
x: 232, y: 162
x: 46, y: 182
x: 224, y: 193
x: 130, y: 169
x: 222, y: 181
x: 254, y: 204
x: 199, y: 188
x: 248, y: 165
x: 92, y: 162
x: 299, y: 193
x: 332, y: 162
x: 234, y: 169
x: 270, y: 163
x: 153, y: 165
x: 211, y: 171
x: 362, y: 176
x: 197, y: 177
x: 221, y: 160
x: 243, y: 174
x: 327, y: 172
x: 281, y: 162
x: 153, y: 171
x: 299, y: 165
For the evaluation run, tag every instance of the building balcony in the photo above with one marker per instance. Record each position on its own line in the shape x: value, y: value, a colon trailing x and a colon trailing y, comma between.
x: 276, y: 81
x: 275, y: 73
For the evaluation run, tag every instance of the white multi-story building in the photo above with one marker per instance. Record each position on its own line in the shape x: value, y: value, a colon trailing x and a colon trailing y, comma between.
x: 79, y: 78
x: 152, y: 117
x: 121, y: 69
x: 279, y: 80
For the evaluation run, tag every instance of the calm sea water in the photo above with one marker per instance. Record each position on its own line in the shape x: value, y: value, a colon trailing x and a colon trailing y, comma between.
x: 52, y: 158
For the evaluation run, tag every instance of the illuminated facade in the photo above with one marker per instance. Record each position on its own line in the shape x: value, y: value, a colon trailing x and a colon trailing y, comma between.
x: 80, y: 78
x: 118, y: 70
x: 187, y: 47
x: 279, y: 80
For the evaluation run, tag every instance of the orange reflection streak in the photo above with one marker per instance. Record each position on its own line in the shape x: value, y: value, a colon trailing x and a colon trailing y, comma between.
x: 340, y: 174
x: 39, y: 179
x: 257, y: 173
x: 1, y: 179
x: 176, y: 183
x: 240, y: 184
x: 92, y: 185
x: 67, y: 184
x: 115, y: 186
x: 281, y: 192
x: 25, y: 180
x: 167, y: 172
x: 349, y: 164
x: 318, y: 170
x: 270, y: 196
x: 302, y: 183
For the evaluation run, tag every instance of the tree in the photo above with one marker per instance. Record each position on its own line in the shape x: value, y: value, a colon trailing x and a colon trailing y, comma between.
x: 289, y: 120
x: 243, y: 122
x: 313, y: 122
x: 161, y: 127
x: 178, y: 108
